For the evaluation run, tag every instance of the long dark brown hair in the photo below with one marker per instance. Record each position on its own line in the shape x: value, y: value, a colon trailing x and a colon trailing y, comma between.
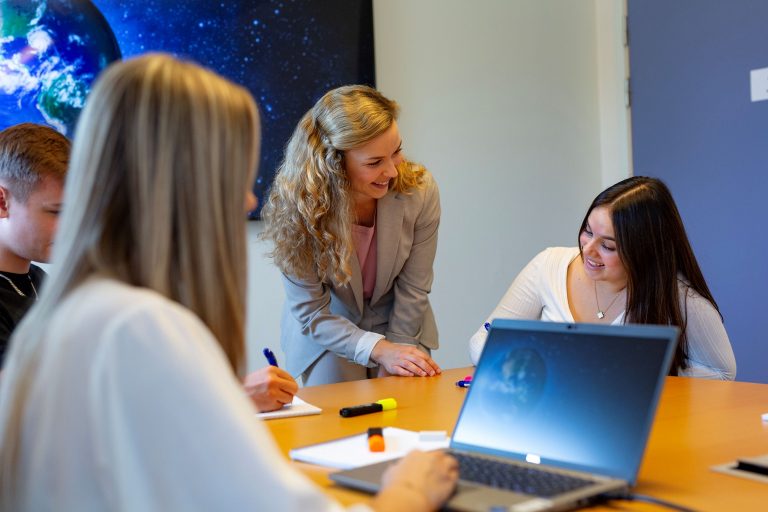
x: 656, y: 254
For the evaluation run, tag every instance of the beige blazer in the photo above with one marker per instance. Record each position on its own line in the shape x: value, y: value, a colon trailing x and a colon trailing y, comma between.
x: 319, y: 317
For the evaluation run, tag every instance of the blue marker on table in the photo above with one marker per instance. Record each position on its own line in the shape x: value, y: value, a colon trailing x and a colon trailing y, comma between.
x: 487, y: 326
x: 270, y: 357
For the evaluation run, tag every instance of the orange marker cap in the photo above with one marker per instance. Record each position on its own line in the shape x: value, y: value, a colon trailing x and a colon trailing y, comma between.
x: 376, y: 439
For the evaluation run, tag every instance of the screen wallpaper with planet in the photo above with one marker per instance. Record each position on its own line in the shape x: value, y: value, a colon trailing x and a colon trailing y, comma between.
x: 287, y: 53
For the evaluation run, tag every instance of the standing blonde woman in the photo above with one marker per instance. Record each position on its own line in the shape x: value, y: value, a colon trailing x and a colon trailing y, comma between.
x: 354, y: 227
x: 120, y: 391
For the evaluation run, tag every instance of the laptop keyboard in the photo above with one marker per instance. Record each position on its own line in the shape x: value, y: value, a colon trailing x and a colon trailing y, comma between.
x: 501, y: 475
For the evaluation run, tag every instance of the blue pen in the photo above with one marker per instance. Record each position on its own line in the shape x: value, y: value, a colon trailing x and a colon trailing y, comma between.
x: 270, y: 357
x: 465, y: 382
x: 487, y: 326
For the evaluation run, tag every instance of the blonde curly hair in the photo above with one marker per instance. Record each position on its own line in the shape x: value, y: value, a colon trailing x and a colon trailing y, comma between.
x: 309, y: 213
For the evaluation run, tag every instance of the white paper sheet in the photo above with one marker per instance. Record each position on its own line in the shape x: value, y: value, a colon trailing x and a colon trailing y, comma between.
x: 296, y: 408
x: 351, y: 452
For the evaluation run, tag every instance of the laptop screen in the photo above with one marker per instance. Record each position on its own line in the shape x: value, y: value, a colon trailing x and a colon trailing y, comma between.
x: 576, y: 396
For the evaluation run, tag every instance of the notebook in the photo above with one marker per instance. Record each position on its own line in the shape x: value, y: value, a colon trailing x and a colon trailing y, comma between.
x: 297, y: 407
x: 353, y: 451
x: 571, y: 403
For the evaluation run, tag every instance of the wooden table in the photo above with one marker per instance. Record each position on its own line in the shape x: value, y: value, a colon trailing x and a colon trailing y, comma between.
x: 699, y: 423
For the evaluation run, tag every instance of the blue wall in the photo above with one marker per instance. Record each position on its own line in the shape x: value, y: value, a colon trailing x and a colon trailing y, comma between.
x: 695, y: 127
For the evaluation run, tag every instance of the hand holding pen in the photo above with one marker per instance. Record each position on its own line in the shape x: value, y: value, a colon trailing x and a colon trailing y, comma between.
x: 270, y: 387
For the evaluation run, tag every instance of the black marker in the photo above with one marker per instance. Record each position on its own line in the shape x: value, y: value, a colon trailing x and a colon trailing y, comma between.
x: 384, y: 404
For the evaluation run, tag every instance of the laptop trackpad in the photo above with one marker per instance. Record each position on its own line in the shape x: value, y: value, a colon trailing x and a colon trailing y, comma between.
x: 474, y: 498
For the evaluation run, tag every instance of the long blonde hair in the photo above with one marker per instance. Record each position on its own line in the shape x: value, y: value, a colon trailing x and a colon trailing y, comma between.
x: 309, y: 213
x: 162, y: 158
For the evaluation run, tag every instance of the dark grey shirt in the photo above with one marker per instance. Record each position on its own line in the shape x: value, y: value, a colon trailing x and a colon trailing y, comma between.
x: 13, y: 305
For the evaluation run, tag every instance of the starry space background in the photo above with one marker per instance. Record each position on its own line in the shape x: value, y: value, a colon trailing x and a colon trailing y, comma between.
x: 286, y: 52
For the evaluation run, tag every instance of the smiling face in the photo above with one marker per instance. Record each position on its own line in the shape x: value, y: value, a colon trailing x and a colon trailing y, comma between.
x: 598, y: 246
x: 372, y: 166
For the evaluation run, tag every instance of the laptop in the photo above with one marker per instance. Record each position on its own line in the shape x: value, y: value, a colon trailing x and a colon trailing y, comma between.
x: 567, y: 408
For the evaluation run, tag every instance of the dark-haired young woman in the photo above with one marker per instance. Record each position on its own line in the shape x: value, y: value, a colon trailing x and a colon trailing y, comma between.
x: 634, y: 264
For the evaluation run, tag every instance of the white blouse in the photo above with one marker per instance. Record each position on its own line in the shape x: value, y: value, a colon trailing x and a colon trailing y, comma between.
x: 539, y: 293
x: 135, y: 408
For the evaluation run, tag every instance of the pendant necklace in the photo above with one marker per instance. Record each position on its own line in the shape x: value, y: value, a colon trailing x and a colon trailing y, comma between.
x: 16, y: 288
x: 601, y: 312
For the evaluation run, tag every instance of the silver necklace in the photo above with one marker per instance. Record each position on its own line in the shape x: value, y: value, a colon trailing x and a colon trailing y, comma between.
x: 601, y: 312
x: 16, y: 288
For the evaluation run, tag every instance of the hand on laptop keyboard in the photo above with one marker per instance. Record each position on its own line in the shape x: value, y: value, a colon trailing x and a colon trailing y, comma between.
x: 430, y: 476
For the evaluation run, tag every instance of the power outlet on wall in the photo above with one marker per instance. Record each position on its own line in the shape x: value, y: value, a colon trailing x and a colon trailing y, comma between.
x: 759, y: 84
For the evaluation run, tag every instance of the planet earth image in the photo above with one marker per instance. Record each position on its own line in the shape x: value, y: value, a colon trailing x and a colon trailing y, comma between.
x: 286, y: 52
x: 50, y: 53
x: 521, y: 383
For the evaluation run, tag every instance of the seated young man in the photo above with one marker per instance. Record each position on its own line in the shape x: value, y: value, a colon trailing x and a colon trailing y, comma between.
x: 33, y: 163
